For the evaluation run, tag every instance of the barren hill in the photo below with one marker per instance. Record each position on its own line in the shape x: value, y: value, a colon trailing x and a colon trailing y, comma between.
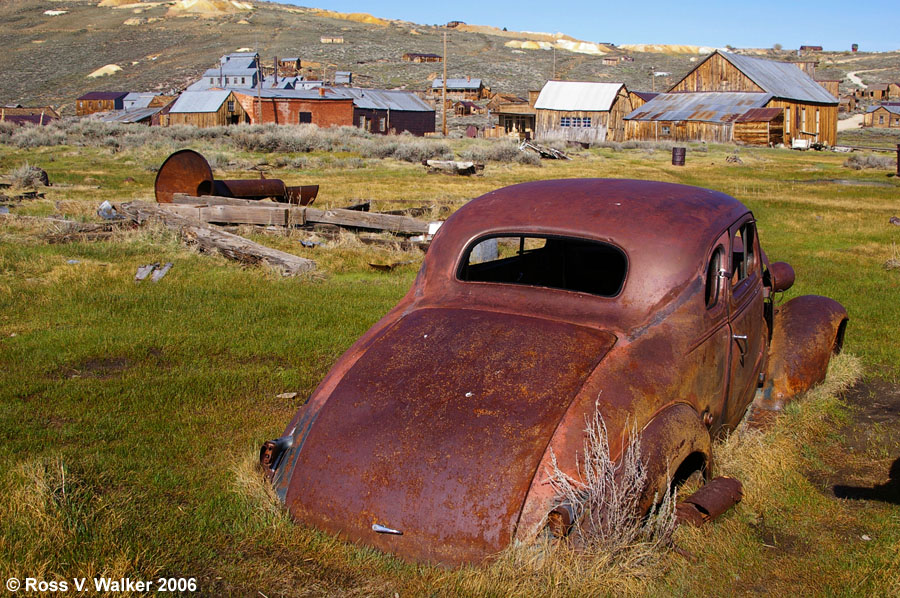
x: 52, y: 46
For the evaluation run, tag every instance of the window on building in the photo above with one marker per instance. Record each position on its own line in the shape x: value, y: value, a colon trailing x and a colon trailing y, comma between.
x: 212, y: 80
x: 787, y: 120
x: 586, y: 121
x: 880, y: 119
x: 382, y: 124
x: 817, y: 121
x: 243, y: 80
x: 305, y: 117
x: 666, y: 130
x: 565, y: 121
x: 362, y: 122
x: 231, y: 105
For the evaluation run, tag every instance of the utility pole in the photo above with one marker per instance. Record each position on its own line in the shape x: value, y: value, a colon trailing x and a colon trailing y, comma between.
x: 444, y: 90
x: 259, y: 83
x: 554, y: 63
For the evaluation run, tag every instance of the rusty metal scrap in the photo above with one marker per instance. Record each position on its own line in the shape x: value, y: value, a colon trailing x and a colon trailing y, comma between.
x: 706, y: 504
x: 188, y: 172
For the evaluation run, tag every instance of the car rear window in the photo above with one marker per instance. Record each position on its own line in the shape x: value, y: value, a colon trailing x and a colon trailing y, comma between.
x: 545, y: 261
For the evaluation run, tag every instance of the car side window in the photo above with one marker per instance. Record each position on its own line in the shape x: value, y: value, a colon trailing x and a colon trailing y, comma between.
x: 712, y: 276
x: 742, y: 253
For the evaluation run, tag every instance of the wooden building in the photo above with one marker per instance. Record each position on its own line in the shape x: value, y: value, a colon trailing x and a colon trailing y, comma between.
x: 810, y: 112
x: 847, y: 103
x: 759, y: 126
x: 832, y: 86
x: 467, y: 108
x: 21, y: 115
x: 213, y: 108
x: 893, y: 91
x: 639, y: 98
x: 582, y: 111
x: 610, y: 60
x: 418, y: 57
x: 461, y: 88
x: 100, y: 101
x: 877, y: 91
x: 501, y: 99
x: 884, y: 117
x: 700, y: 116
x: 331, y: 39
x: 389, y: 111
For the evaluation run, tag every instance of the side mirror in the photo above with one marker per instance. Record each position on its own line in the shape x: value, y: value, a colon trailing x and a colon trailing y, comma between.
x: 781, y: 276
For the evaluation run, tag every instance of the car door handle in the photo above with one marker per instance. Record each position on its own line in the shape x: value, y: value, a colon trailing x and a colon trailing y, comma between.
x: 742, y: 346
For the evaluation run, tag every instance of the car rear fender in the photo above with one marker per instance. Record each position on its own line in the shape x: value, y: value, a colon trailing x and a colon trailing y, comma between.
x: 807, y: 331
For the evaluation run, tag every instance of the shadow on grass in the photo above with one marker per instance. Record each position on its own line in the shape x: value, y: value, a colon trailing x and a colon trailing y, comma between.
x: 889, y: 492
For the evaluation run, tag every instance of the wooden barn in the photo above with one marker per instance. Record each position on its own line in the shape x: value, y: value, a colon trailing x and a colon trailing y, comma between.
x: 100, y: 101
x: 501, y: 99
x: 759, y: 126
x: 581, y: 111
x: 419, y: 57
x: 884, y: 117
x: 877, y: 91
x: 701, y: 116
x: 810, y: 112
x: 893, y: 91
x: 213, y: 108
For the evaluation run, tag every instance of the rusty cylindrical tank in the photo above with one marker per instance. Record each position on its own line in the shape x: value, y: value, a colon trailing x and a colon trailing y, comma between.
x: 188, y: 172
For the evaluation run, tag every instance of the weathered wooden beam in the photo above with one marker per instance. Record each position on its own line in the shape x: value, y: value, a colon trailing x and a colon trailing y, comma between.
x: 218, y: 200
x: 225, y: 214
x: 367, y: 220
x: 218, y: 241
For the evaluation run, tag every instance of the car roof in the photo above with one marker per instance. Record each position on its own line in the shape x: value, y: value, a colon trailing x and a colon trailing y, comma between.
x: 665, y: 229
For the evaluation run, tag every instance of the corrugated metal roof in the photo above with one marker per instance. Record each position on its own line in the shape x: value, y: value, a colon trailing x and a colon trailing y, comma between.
x: 577, y: 95
x: 759, y: 115
x: 230, y: 71
x: 199, y: 101
x: 104, y: 95
x: 130, y: 116
x: 781, y: 79
x: 717, y: 107
x: 384, y: 99
x: 136, y: 100
x: 460, y: 83
x: 889, y: 108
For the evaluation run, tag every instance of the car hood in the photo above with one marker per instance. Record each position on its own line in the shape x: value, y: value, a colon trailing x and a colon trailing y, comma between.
x: 437, y: 429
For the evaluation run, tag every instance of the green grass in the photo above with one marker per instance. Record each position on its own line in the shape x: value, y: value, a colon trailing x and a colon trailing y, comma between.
x: 130, y: 413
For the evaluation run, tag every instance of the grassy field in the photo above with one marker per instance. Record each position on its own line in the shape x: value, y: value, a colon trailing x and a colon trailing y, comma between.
x: 131, y: 414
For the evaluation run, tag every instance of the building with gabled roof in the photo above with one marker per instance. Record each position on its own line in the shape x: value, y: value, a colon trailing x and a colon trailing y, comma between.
x: 460, y: 88
x: 211, y: 108
x: 810, y: 112
x: 100, y: 101
x: 885, y: 116
x: 581, y: 111
x: 701, y: 116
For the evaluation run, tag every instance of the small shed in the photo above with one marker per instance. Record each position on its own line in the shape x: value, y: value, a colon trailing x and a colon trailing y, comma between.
x: 100, y: 101
x: 467, y: 108
x: 847, y: 103
x: 885, y: 116
x: 343, y: 78
x: 610, y: 60
x: 387, y: 111
x: 893, y: 91
x: 582, y: 111
x: 332, y: 39
x: 877, y: 91
x: 760, y: 126
x: 420, y: 57
x: 289, y: 65
x: 213, y: 108
x: 140, y: 116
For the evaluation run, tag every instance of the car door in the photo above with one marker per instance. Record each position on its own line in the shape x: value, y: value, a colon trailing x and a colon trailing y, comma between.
x: 745, y: 318
x: 711, y: 348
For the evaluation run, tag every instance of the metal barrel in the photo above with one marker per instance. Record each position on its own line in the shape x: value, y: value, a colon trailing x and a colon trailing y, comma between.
x: 678, y: 156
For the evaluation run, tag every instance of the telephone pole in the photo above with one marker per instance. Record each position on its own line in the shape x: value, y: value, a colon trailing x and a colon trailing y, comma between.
x: 444, y: 90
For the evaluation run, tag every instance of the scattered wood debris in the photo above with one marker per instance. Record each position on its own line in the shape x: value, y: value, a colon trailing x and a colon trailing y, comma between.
x: 548, y: 153
x: 390, y: 266
x: 453, y: 167
x: 212, y: 240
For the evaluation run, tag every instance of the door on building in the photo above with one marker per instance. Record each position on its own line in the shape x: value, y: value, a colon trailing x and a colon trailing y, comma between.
x: 305, y: 117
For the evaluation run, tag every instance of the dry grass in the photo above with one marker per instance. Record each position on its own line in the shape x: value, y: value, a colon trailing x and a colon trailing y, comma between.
x: 893, y: 262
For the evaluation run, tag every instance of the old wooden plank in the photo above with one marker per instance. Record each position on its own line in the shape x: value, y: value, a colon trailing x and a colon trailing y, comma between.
x: 223, y: 214
x: 367, y: 220
x: 217, y: 200
x: 213, y: 240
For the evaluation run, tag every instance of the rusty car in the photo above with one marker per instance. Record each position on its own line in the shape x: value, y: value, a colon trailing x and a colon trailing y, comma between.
x: 537, y: 304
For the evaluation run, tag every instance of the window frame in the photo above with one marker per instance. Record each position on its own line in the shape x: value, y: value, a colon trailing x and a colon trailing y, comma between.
x: 463, y: 261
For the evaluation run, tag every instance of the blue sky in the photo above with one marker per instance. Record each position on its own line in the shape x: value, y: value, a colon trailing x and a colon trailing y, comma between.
x: 828, y: 23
